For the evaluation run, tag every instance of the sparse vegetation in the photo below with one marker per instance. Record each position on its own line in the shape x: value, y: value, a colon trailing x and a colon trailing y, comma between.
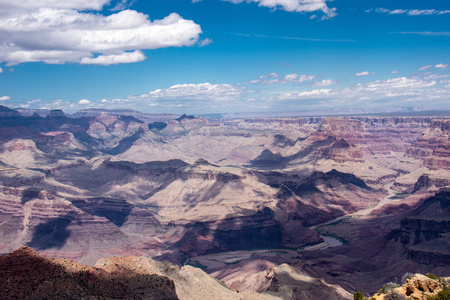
x: 432, y: 276
x: 386, y: 288
x: 359, y: 296
x: 394, y: 296
x: 445, y: 283
x: 443, y: 295
x: 196, y: 264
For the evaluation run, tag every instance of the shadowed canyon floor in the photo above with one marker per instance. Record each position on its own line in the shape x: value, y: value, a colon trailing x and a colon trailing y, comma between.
x: 342, y: 203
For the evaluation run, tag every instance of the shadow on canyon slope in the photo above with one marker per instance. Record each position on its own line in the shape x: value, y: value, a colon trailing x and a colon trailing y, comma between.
x: 30, y: 194
x: 126, y: 143
x: 388, y: 244
x: 268, y: 160
x: 285, y: 226
x: 24, y: 274
x: 51, y: 234
x: 258, y: 231
x: 115, y: 210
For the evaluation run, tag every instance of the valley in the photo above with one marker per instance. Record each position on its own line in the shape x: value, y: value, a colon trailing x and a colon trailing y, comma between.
x: 344, y: 203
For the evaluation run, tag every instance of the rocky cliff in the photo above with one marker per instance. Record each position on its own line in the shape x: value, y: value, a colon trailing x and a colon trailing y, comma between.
x: 105, y: 184
x: 24, y: 274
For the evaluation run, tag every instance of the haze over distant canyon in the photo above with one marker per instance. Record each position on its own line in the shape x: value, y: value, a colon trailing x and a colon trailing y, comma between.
x: 272, y: 207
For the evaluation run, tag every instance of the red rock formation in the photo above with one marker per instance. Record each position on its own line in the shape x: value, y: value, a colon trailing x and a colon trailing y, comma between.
x: 24, y: 274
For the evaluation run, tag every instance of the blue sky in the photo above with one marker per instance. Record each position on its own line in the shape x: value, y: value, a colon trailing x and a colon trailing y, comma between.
x: 215, y: 56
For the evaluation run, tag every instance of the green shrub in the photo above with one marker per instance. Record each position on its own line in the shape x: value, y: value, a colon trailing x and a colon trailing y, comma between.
x: 432, y: 276
x: 359, y: 296
x: 445, y: 284
x: 388, y: 287
x: 443, y: 295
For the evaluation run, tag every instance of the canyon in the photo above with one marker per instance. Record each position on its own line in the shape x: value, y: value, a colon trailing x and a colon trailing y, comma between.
x: 272, y: 207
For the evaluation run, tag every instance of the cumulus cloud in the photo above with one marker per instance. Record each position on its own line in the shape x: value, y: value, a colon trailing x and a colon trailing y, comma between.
x: 298, y: 78
x: 74, y: 4
x: 270, y: 75
x: 179, y: 98
x: 106, y: 60
x: 364, y: 73
x: 294, y: 5
x: 62, y: 34
x: 5, y: 98
x: 1, y: 70
x: 441, y: 66
x: 325, y: 82
x: 203, y: 92
x: 410, y: 12
x: 208, y: 98
x: 394, y: 90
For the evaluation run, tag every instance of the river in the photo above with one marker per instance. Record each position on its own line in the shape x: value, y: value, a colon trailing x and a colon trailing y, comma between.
x: 333, y: 242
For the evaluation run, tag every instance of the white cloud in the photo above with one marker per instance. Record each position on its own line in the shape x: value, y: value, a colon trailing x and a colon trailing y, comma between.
x: 430, y: 33
x: 106, y: 60
x: 34, y: 101
x: 1, y: 70
x: 291, y: 77
x: 298, y: 78
x: 326, y: 82
x: 394, y: 72
x: 74, y: 4
x: 364, y: 73
x: 209, y: 98
x: 202, y: 92
x: 270, y: 75
x: 435, y: 76
x: 61, y: 35
x: 425, y: 67
x: 392, y: 91
x: 5, y: 98
x: 410, y: 12
x: 205, y: 42
x: 274, y: 78
x: 441, y: 66
x: 179, y: 98
x: 123, y: 4
x: 294, y: 5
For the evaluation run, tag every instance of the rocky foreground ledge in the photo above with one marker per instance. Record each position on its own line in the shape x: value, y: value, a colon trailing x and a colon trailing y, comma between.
x: 25, y: 274
x: 415, y: 287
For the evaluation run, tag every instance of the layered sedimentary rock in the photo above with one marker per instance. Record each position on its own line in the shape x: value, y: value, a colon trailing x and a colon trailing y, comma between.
x: 396, y: 239
x: 26, y: 274
x: 101, y: 185
x: 433, y: 146
x: 425, y: 233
